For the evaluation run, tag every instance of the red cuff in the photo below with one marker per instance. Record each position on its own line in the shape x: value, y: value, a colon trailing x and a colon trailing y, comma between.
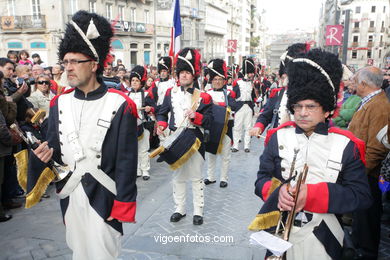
x: 151, y: 110
x: 198, y: 119
x: 163, y: 124
x: 222, y: 104
x: 265, y: 189
x: 260, y: 125
x: 124, y: 211
x: 317, y: 199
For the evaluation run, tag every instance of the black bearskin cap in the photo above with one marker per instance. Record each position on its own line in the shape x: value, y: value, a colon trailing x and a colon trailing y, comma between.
x: 164, y: 63
x: 73, y: 42
x: 307, y: 82
x: 188, y: 59
x: 217, y: 67
x: 140, y: 73
x: 292, y: 51
x: 248, y: 66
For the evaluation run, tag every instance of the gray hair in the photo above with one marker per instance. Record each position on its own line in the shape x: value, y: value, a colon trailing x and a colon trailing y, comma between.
x: 371, y: 76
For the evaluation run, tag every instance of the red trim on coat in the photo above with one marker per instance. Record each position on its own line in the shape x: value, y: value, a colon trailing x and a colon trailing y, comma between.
x: 274, y: 92
x: 273, y: 130
x: 206, y: 98
x: 163, y: 124
x: 168, y: 92
x: 232, y: 94
x: 124, y: 211
x: 317, y: 198
x: 235, y: 82
x: 261, y: 126
x: 265, y: 189
x: 361, y: 146
x: 198, y: 119
x: 221, y: 104
x: 150, y: 92
x: 54, y: 99
x: 131, y: 107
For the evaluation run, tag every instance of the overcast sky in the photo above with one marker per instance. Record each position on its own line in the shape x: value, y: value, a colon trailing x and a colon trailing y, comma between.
x: 283, y: 15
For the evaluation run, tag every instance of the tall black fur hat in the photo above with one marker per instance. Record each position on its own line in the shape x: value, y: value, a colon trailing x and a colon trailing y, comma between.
x: 164, y: 63
x: 140, y: 73
x: 292, y: 52
x: 188, y: 59
x: 96, y: 29
x: 248, y: 66
x: 315, y: 75
x: 217, y: 67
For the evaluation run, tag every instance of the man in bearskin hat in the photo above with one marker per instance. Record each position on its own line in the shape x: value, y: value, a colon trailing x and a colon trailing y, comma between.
x: 164, y: 82
x: 335, y: 181
x: 221, y: 130
x: 275, y: 111
x: 245, y: 96
x: 190, y: 110
x: 92, y: 130
x: 145, y: 107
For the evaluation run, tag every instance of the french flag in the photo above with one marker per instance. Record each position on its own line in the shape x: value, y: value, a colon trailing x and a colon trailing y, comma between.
x: 175, y: 31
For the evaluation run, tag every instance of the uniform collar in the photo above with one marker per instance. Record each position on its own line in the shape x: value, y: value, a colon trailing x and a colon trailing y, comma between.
x: 221, y: 89
x: 93, y: 95
x: 321, y: 128
x: 163, y: 80
x: 189, y: 90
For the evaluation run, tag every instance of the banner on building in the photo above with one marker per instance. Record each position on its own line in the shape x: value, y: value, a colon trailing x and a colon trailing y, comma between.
x: 164, y: 5
x: 334, y: 35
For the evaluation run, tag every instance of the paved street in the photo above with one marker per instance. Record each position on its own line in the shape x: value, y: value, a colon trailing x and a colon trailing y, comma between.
x: 38, y: 233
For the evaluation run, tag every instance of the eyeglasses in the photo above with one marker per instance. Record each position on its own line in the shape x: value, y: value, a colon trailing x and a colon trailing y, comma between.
x: 43, y: 82
x: 73, y: 62
x: 310, y: 108
x: 220, y: 80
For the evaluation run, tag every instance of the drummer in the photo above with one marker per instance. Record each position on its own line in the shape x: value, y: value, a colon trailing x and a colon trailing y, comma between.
x: 179, y: 102
x: 145, y: 106
x: 224, y: 98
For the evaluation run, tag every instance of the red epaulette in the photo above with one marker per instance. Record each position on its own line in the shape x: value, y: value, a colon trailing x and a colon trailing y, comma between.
x: 274, y: 92
x: 274, y: 130
x: 235, y: 82
x: 206, y: 98
x: 54, y: 99
x: 232, y: 94
x: 359, y: 143
x: 131, y: 107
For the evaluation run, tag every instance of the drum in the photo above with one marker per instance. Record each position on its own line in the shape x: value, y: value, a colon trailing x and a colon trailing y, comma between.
x: 219, y: 128
x: 181, y: 149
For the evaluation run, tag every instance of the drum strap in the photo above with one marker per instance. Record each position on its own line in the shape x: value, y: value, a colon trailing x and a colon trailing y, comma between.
x: 226, y: 97
x: 195, y: 99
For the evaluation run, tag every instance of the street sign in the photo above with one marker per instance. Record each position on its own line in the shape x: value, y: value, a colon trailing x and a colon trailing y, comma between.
x: 334, y: 35
x: 232, y: 46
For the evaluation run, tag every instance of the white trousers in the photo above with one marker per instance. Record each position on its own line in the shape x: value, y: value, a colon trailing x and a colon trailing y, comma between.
x: 242, y: 119
x: 87, y: 234
x: 143, y: 155
x: 191, y: 170
x: 225, y: 161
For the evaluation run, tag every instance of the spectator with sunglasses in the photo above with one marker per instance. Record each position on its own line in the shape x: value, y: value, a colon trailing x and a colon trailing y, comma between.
x: 42, y: 95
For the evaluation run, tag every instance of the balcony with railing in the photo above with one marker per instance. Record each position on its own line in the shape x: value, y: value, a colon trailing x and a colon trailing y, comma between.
x: 131, y: 28
x: 23, y: 23
x: 371, y: 29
